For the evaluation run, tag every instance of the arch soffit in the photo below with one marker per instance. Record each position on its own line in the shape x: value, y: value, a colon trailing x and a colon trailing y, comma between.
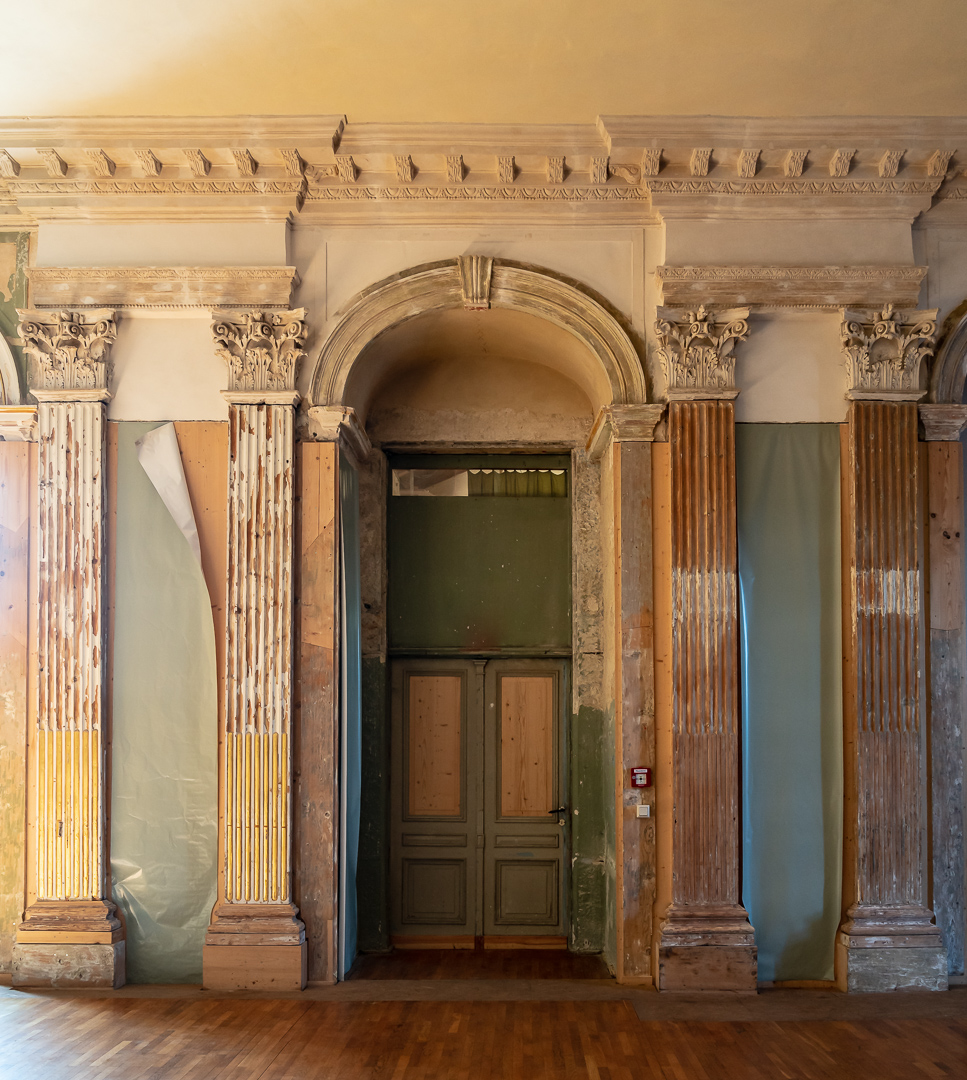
x: 437, y: 286
x: 949, y: 370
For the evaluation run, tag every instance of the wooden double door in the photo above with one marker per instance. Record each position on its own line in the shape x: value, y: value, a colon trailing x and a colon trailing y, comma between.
x: 479, y: 823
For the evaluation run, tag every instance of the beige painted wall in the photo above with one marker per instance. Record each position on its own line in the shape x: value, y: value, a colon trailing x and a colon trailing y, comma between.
x: 559, y: 61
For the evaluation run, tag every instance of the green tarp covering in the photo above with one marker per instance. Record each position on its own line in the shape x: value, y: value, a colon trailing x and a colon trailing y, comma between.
x: 164, y: 754
x: 787, y: 477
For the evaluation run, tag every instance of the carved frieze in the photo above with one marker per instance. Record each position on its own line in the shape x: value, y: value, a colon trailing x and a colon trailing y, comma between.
x: 262, y: 349
x: 69, y: 351
x: 884, y: 351
x: 695, y: 349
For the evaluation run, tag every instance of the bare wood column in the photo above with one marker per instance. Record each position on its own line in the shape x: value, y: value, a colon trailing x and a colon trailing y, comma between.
x: 621, y: 438
x: 256, y: 939
x: 887, y: 939
x: 70, y: 932
x: 706, y: 940
x: 947, y: 652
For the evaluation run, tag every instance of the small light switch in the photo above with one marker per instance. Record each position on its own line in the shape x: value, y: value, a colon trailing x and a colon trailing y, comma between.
x: 644, y: 810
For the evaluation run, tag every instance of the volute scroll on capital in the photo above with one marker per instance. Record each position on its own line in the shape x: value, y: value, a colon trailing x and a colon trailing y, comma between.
x: 263, y: 350
x: 884, y: 352
x: 696, y: 350
x: 69, y: 352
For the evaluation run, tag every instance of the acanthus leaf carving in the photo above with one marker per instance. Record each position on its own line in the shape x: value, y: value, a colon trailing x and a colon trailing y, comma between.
x: 699, y: 161
x: 696, y: 350
x: 262, y: 348
x: 101, y: 163
x: 600, y: 170
x: 70, y: 350
x: 405, y: 169
x: 884, y: 351
x: 650, y: 161
x: 455, y: 168
x: 939, y: 160
x: 793, y: 164
x: 150, y: 165
x: 506, y: 168
x: 55, y: 164
x: 346, y: 168
x: 747, y: 163
x: 555, y: 170
x: 197, y: 162
x: 9, y: 166
x: 889, y: 164
x: 839, y: 163
x: 245, y: 162
x: 292, y: 160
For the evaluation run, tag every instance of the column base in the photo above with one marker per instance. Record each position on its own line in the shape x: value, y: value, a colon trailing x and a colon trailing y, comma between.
x: 254, y: 967
x: 884, y: 949
x: 707, y: 948
x: 69, y: 943
x: 255, y: 947
x: 66, y: 964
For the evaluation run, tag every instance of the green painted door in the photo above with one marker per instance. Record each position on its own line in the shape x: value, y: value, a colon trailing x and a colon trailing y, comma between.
x: 478, y: 842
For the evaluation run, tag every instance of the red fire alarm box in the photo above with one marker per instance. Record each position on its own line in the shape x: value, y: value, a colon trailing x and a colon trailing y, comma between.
x: 641, y: 777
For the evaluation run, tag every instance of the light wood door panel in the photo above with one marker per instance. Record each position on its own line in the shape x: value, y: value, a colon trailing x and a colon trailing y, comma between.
x: 526, y: 745
x: 435, y: 720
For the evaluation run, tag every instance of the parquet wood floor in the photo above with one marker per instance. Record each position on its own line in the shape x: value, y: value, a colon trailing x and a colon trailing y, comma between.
x: 63, y: 1036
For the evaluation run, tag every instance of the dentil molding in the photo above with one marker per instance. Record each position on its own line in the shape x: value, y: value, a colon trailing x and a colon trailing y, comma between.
x: 790, y: 286
x: 884, y: 351
x: 140, y: 287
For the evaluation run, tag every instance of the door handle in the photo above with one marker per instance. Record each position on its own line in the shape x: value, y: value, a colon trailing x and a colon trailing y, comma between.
x: 559, y: 810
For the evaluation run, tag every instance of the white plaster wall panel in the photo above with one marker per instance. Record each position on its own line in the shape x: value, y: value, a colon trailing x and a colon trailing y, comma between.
x: 598, y: 258
x: 791, y: 370
x: 162, y: 244
x: 945, y: 253
x: 787, y: 243
x: 166, y: 369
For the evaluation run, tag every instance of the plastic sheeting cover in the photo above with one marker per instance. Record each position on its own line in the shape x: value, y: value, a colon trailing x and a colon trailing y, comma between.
x: 787, y: 478
x: 164, y: 766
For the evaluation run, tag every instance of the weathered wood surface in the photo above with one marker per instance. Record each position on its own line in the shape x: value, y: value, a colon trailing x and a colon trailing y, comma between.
x: 316, y: 794
x: 14, y: 650
x: 705, y: 908
x: 883, y: 720
x: 948, y: 707
x: 527, y: 745
x: 634, y: 704
x: 435, y: 747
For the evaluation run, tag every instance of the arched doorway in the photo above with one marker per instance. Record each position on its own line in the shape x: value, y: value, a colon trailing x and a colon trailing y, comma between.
x: 460, y: 370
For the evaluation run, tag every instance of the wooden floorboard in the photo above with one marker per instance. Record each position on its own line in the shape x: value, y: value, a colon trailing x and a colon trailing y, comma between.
x: 66, y: 1036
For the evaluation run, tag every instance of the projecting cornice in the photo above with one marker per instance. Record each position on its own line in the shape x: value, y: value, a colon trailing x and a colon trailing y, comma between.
x: 623, y: 169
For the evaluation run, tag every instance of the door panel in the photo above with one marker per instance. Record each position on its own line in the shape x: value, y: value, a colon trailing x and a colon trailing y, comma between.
x: 526, y: 732
x: 477, y: 762
x: 433, y: 869
x: 434, y: 744
x: 524, y: 844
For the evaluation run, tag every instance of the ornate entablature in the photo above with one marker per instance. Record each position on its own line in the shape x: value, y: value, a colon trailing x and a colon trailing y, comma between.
x: 69, y: 351
x: 626, y: 167
x: 696, y: 350
x: 262, y: 349
x: 884, y: 351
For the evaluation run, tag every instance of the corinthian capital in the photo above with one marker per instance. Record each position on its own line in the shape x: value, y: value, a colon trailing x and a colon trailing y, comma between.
x: 69, y: 352
x: 263, y: 350
x: 695, y: 349
x: 884, y: 350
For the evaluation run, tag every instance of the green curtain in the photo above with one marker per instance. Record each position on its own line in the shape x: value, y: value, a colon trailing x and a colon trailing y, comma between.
x: 165, y: 721
x: 787, y: 478
x: 519, y: 482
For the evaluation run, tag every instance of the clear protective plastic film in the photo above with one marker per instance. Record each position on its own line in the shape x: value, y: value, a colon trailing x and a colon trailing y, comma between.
x: 165, y: 714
